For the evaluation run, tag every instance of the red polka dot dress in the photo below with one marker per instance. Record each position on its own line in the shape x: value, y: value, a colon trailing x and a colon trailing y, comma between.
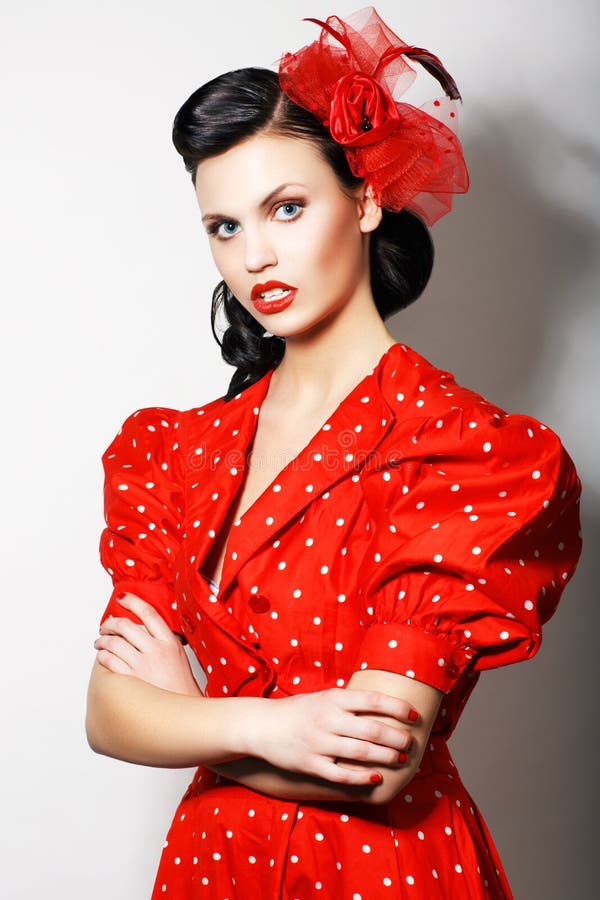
x: 422, y: 530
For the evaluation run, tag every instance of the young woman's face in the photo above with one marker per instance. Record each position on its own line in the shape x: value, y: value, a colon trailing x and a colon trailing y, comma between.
x: 274, y: 211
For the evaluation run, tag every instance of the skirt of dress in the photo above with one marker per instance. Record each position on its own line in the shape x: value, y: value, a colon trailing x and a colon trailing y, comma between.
x: 227, y: 842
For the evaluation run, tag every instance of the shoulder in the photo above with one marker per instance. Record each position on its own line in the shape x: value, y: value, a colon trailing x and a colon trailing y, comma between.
x: 145, y: 429
x: 455, y: 437
x: 436, y: 413
x: 416, y: 389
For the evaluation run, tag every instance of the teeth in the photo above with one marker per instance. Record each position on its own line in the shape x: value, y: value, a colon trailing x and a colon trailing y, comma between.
x: 276, y: 292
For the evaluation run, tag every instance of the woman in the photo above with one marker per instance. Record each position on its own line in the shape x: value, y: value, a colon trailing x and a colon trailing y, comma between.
x: 348, y: 531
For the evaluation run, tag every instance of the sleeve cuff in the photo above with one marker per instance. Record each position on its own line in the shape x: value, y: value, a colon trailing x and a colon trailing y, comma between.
x: 408, y: 650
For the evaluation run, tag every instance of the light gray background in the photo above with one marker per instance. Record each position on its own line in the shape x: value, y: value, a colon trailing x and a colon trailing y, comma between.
x: 105, y: 306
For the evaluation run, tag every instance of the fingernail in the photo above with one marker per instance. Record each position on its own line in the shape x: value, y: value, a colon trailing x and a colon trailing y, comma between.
x: 376, y: 778
x: 413, y: 715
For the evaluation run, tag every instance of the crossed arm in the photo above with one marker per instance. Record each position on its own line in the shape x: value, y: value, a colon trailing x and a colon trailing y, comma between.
x: 160, y: 717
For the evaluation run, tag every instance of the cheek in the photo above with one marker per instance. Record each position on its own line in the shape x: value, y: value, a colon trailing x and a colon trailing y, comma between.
x: 226, y: 263
x: 333, y: 250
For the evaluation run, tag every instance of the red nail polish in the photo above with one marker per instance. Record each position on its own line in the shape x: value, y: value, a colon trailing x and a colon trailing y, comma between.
x: 376, y: 778
x: 413, y: 715
x: 402, y: 757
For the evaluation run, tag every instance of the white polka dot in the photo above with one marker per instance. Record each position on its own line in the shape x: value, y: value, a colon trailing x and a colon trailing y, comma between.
x: 365, y: 848
x: 504, y: 635
x: 476, y: 551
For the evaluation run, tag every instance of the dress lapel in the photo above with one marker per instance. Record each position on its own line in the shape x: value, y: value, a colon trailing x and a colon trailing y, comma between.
x: 217, y: 458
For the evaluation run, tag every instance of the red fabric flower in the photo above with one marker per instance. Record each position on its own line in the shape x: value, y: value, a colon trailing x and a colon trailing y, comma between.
x: 362, y: 111
x: 351, y: 80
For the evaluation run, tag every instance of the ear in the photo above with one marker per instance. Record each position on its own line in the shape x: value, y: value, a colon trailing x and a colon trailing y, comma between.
x: 369, y: 210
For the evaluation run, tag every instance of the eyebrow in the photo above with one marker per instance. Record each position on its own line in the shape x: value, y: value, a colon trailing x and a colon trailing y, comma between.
x: 212, y: 217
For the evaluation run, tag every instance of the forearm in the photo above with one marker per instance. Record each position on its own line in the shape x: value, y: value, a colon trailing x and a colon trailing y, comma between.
x: 132, y: 720
x: 261, y: 776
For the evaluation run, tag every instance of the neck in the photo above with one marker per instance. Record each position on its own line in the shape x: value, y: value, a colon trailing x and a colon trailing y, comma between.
x: 319, y: 366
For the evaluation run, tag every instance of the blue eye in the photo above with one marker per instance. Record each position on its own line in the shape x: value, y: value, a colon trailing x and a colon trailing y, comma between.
x: 286, y: 207
x: 224, y: 225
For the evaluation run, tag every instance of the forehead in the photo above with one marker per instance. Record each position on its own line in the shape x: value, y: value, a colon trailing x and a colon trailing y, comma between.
x: 249, y: 170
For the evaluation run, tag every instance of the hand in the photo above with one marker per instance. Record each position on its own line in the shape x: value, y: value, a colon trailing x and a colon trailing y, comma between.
x: 307, y: 733
x: 150, y: 652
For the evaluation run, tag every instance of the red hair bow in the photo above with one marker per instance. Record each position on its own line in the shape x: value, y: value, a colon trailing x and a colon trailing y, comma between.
x: 350, y: 79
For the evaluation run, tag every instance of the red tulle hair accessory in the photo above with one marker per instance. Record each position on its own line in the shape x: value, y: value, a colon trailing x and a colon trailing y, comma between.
x: 351, y: 79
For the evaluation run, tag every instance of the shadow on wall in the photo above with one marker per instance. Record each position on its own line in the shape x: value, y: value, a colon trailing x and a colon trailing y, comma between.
x: 512, y: 268
x: 509, y: 259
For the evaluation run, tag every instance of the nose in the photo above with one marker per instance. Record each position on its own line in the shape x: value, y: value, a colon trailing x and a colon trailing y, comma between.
x: 259, y: 251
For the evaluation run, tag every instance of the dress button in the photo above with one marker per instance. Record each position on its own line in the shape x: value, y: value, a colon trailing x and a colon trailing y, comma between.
x: 187, y: 623
x: 259, y: 603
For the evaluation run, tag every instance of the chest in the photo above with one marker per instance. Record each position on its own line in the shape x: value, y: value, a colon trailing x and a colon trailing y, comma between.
x: 274, y: 445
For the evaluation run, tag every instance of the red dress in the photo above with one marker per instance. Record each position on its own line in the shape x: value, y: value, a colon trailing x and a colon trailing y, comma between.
x: 422, y: 530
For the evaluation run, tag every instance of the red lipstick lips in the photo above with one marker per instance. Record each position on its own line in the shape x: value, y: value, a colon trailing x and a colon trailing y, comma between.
x: 279, y: 301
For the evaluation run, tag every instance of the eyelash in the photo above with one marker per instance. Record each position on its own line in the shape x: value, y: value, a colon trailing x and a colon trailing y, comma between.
x: 214, y: 227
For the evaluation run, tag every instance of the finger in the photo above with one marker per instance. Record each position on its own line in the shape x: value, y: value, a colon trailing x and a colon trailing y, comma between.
x: 376, y: 732
x: 378, y: 702
x: 119, y: 647
x: 152, y: 620
x: 136, y: 635
x: 112, y: 662
x: 364, y: 752
x: 329, y: 771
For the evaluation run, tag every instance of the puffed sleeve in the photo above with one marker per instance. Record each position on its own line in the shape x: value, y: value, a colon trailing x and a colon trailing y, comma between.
x: 475, y: 533
x: 143, y: 511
